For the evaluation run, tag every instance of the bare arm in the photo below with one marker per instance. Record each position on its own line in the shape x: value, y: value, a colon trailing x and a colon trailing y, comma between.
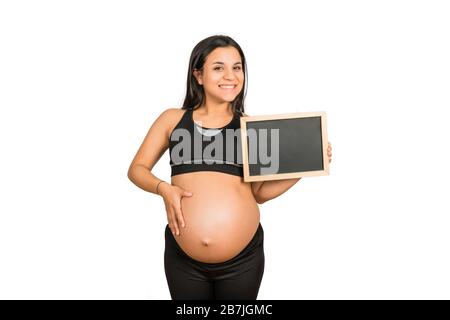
x: 152, y: 148
x: 255, y: 188
x: 268, y: 190
x: 155, y: 143
x: 142, y: 177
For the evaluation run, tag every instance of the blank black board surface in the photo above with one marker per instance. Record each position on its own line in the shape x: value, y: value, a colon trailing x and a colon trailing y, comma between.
x: 284, y: 146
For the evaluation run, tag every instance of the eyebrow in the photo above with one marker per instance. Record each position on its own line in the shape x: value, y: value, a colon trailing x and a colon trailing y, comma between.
x: 219, y: 62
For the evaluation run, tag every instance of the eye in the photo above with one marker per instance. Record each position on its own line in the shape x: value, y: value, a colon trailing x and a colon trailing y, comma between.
x: 237, y: 67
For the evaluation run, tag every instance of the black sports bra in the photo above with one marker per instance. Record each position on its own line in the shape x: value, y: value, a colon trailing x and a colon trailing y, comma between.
x: 196, y: 148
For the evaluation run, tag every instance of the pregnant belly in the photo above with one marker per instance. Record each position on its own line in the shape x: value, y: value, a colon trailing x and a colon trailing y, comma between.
x: 221, y: 216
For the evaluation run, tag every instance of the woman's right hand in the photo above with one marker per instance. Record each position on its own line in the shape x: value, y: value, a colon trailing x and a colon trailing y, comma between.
x: 172, y: 199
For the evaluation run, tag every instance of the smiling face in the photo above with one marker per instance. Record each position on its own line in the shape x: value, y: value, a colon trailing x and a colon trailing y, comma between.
x: 222, y: 77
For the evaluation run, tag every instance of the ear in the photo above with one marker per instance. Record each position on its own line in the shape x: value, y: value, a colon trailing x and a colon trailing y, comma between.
x: 198, y: 76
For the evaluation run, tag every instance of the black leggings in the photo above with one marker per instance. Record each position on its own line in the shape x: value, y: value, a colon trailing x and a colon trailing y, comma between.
x: 237, y: 278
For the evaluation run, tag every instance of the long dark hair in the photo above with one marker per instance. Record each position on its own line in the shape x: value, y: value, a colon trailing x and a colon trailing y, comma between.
x: 194, y: 91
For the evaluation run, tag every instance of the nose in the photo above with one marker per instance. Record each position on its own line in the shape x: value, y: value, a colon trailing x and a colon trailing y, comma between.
x: 229, y: 75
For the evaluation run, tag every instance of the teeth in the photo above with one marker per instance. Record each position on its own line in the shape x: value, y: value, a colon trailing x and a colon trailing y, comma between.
x: 228, y: 87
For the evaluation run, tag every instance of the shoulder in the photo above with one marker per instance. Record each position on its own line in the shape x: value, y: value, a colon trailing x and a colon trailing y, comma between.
x: 170, y: 117
x: 172, y: 112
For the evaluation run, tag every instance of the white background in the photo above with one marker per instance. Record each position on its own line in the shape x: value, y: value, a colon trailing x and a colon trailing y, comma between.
x: 81, y: 82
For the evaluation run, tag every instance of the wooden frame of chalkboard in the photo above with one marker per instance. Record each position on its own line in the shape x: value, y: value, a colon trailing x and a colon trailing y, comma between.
x: 293, y: 164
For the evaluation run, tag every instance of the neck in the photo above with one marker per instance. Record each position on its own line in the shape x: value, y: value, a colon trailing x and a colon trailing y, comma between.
x: 216, y: 108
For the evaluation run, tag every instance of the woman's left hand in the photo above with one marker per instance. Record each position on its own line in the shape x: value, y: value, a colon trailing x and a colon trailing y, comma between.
x: 329, y: 152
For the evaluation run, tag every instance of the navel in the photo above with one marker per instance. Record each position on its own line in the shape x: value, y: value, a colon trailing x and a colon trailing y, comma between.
x: 205, y: 242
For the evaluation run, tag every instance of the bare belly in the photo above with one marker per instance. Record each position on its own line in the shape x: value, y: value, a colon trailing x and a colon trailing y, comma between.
x: 221, y: 216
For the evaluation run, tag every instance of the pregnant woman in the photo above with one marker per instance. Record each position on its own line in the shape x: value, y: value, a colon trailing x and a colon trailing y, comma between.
x: 213, y: 239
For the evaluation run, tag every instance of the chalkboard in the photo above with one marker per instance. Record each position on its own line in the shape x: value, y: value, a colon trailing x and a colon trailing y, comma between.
x: 284, y: 146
